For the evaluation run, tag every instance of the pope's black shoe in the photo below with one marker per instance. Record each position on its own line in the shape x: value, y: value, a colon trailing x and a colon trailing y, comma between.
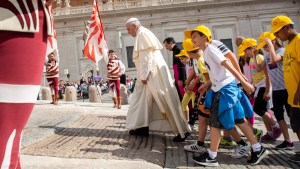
x: 179, y: 139
x: 144, y: 131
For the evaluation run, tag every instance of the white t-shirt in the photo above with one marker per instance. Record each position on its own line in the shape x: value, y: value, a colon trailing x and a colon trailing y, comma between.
x: 224, y: 49
x: 218, y: 74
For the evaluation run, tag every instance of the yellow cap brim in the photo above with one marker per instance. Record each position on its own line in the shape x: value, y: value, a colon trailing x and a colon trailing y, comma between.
x: 193, y: 49
x: 241, y: 51
x: 182, y: 56
x: 179, y: 55
x: 275, y: 29
x: 241, y: 54
x: 261, y: 45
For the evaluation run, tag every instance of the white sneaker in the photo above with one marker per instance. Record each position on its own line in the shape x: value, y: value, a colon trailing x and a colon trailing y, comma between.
x: 195, y: 148
x: 241, y: 151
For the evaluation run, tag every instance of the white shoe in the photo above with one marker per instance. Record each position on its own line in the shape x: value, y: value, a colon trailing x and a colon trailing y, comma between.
x: 195, y: 148
x: 241, y: 151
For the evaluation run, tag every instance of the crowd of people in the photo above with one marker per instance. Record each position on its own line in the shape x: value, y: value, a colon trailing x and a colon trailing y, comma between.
x: 225, y: 91
x: 82, y: 87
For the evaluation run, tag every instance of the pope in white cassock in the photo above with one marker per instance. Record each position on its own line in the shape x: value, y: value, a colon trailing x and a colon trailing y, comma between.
x: 155, y: 102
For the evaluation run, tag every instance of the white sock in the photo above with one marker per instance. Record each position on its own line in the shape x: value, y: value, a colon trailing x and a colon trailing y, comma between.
x: 275, y: 125
x: 256, y: 147
x: 212, y: 154
x: 270, y: 133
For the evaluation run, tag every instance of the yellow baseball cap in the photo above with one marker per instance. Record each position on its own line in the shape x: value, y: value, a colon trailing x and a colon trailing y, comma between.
x: 182, y: 53
x: 201, y: 28
x: 262, y: 43
x: 278, y: 22
x: 249, y: 42
x: 188, y: 45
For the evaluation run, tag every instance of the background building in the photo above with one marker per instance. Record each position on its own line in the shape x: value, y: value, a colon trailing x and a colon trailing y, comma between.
x: 226, y: 18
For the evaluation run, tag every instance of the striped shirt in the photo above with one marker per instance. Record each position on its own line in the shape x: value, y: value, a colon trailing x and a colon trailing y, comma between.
x: 276, y: 71
x: 113, y: 69
x: 52, y: 69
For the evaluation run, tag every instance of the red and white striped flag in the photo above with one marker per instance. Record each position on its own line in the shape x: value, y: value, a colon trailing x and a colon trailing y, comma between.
x: 95, y: 46
x: 52, y: 46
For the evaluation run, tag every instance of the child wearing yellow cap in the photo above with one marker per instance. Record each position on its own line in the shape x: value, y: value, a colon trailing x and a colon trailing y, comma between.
x: 196, y: 53
x: 262, y: 83
x: 225, y: 106
x: 191, y: 82
x: 273, y: 62
x: 283, y: 28
x: 190, y: 92
x: 245, y: 68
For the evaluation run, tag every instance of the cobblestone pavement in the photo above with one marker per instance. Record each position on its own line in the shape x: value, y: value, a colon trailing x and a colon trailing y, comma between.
x: 99, y: 133
x: 44, y: 115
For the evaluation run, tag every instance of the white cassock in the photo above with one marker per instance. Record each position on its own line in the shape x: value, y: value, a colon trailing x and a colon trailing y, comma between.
x: 157, y: 103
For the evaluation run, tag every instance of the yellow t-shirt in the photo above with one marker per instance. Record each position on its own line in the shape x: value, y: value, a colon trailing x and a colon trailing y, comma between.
x: 202, y: 68
x: 291, y: 68
x: 256, y: 76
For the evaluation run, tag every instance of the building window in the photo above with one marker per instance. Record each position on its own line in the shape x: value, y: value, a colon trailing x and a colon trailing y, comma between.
x: 85, y: 3
x: 129, y: 51
x: 228, y: 43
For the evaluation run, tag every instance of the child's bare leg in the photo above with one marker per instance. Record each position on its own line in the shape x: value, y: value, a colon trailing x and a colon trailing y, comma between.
x: 246, y: 129
x: 202, y: 128
x: 214, y: 139
x: 186, y: 113
x: 235, y: 134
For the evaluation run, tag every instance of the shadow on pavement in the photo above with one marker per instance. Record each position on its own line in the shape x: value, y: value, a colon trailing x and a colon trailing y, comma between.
x: 105, y: 137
